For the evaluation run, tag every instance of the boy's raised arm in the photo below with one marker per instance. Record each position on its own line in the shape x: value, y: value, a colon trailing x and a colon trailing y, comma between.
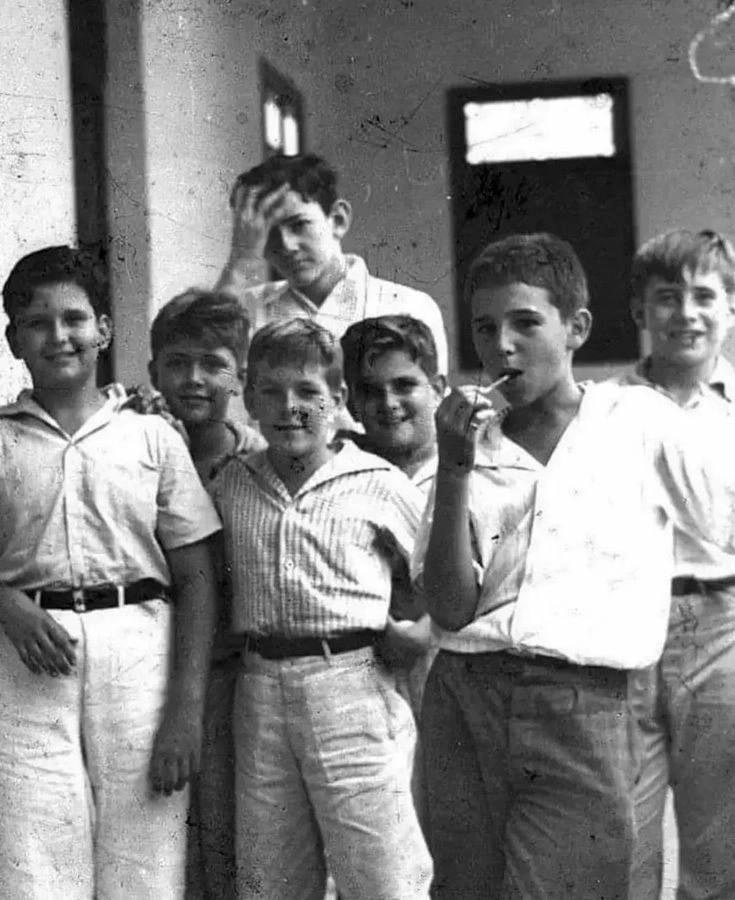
x: 449, y: 578
x: 177, y: 745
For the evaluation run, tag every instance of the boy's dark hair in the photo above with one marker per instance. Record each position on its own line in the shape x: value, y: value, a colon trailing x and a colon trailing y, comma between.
x: 540, y: 260
x: 307, y: 174
x: 384, y: 333
x: 296, y: 342
x: 209, y: 316
x: 668, y: 255
x: 83, y: 266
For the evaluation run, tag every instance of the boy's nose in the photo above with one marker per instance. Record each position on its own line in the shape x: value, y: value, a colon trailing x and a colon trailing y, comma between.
x: 687, y: 307
x: 58, y: 331
x: 288, y: 240
x: 195, y: 374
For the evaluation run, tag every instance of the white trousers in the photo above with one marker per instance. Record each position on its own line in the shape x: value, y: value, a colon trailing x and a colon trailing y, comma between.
x: 77, y: 818
x: 323, y: 777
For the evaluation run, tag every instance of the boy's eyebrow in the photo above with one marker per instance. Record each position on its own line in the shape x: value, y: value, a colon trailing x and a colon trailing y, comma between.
x: 523, y: 311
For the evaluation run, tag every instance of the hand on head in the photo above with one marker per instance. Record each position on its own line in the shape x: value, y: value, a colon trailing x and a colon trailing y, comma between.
x: 255, y: 210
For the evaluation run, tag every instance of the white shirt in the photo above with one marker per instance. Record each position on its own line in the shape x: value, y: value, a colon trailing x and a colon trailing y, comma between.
x: 359, y: 295
x: 97, y: 507
x: 575, y: 558
x: 707, y: 409
x: 318, y: 563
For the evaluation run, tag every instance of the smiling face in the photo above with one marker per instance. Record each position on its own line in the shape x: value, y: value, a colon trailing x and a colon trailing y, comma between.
x: 304, y: 243
x: 59, y: 336
x: 396, y: 400
x: 687, y: 320
x: 197, y: 379
x: 516, y: 328
x: 295, y: 408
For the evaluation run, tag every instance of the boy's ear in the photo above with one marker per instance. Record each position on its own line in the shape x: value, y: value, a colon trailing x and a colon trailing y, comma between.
x: 340, y: 396
x: 104, y: 326
x: 341, y: 217
x: 636, y: 312
x: 579, y: 327
x: 439, y: 385
x: 10, y: 337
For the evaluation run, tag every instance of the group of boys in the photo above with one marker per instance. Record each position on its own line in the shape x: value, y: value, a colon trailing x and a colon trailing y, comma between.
x: 252, y: 613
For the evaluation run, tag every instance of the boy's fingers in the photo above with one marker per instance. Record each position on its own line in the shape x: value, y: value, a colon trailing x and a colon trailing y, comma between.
x: 269, y: 203
x: 63, y: 644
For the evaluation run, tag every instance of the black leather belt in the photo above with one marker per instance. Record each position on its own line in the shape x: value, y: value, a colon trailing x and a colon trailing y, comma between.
x: 687, y: 584
x: 271, y: 647
x: 106, y: 596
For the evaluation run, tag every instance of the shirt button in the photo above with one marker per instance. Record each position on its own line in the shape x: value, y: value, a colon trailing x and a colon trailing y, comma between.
x: 289, y: 565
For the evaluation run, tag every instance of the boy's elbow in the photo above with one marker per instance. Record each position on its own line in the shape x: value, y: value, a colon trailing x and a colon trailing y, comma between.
x: 451, y: 611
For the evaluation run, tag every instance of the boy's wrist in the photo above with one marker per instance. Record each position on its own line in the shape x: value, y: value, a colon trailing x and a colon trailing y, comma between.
x: 452, y: 471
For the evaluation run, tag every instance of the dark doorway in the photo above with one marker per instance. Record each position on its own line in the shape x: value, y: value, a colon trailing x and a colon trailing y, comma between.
x: 520, y: 163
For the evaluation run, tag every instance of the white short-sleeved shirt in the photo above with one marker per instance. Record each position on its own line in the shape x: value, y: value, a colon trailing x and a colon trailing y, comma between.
x: 97, y: 507
x: 359, y: 295
x: 575, y: 558
x: 318, y: 563
x: 708, y: 410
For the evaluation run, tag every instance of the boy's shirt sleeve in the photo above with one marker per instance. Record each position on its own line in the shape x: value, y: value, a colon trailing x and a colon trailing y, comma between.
x: 186, y: 513
x: 696, y: 471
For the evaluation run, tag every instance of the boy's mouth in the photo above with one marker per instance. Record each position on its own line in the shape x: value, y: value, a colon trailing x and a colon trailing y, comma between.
x: 509, y: 373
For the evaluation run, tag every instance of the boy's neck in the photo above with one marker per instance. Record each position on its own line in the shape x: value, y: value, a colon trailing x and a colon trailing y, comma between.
x: 539, y: 426
x: 70, y: 406
x: 682, y: 382
x: 319, y: 290
x: 408, y: 461
x: 294, y: 472
x: 209, y: 440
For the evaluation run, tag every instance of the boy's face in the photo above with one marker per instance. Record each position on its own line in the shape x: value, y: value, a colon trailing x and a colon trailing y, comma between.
x: 196, y: 379
x: 687, y: 320
x: 59, y: 336
x: 516, y: 328
x: 304, y: 242
x: 396, y: 400
x: 294, y: 406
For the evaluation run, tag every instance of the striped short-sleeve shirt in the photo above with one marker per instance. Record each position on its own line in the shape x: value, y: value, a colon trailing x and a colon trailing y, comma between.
x: 318, y: 563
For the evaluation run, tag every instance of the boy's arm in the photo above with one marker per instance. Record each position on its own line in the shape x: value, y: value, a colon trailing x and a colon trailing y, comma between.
x: 252, y: 214
x: 177, y: 744
x: 449, y: 579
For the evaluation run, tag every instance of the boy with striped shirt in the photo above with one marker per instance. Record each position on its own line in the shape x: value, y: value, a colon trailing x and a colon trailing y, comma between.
x: 315, y: 534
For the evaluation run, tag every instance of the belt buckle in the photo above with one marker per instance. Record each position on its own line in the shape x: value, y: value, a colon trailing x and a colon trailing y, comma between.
x: 77, y: 596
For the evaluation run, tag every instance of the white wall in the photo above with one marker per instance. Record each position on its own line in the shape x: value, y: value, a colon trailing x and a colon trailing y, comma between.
x: 35, y: 146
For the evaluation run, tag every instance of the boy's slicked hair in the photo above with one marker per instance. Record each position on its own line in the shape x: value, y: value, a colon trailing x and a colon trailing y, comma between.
x: 669, y: 255
x: 83, y: 266
x: 215, y: 318
x: 296, y: 342
x: 385, y: 333
x: 540, y: 260
x: 307, y: 174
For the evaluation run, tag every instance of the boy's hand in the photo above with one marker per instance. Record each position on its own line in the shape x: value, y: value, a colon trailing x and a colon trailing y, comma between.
x: 176, y: 750
x: 404, y: 642
x: 148, y: 402
x: 43, y: 645
x: 253, y: 215
x: 460, y: 418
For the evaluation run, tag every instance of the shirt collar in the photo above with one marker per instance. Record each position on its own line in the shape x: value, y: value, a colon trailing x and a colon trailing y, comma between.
x: 722, y: 379
x: 345, y: 298
x: 115, y: 397
x: 347, y: 460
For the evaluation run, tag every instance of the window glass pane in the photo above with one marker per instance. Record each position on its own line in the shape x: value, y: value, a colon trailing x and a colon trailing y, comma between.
x: 554, y: 128
x: 290, y: 134
x: 272, y: 124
